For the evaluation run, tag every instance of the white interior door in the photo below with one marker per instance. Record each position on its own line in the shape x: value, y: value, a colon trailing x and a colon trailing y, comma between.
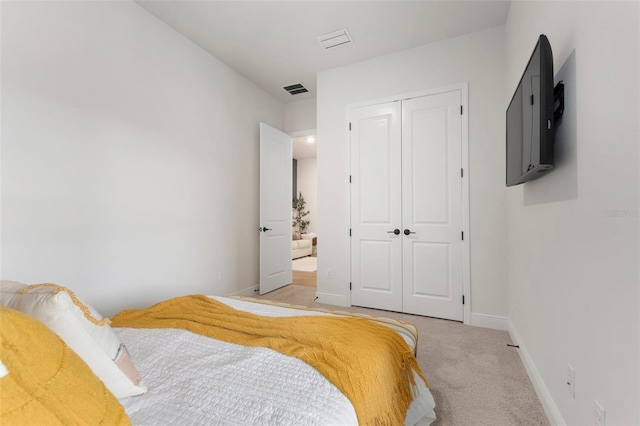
x: 275, y: 208
x: 376, y: 251
x: 432, y: 205
x: 406, y: 206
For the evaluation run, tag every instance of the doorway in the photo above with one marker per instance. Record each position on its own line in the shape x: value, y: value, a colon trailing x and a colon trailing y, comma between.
x: 305, y: 208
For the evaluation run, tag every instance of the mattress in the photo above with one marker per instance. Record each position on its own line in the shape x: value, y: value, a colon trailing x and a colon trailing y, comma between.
x: 193, y: 379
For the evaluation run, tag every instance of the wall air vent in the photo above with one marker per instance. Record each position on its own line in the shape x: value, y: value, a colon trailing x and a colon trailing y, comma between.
x: 295, y: 89
x: 335, y: 39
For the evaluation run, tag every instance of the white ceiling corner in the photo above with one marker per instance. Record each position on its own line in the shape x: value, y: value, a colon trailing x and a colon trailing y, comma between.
x: 275, y: 43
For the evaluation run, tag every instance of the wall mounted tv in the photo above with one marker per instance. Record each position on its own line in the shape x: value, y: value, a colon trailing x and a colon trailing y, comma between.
x: 530, y: 118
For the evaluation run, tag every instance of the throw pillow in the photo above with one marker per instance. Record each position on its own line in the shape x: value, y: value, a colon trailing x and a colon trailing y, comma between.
x: 42, y: 381
x: 83, y: 329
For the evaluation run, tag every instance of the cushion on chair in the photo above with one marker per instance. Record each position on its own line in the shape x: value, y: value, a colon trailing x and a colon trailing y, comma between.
x: 300, y: 244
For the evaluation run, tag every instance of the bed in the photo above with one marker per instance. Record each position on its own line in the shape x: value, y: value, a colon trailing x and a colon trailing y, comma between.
x: 189, y: 378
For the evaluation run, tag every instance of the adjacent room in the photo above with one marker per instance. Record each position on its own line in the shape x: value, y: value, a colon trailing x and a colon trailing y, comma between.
x: 304, y: 244
x: 193, y: 175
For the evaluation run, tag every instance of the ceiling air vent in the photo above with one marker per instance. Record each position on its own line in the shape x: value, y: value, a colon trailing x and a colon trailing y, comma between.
x: 335, y: 39
x: 295, y: 89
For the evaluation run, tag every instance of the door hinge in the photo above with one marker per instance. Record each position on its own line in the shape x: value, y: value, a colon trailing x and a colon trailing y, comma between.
x: 532, y: 100
x: 349, y: 126
x: 462, y: 234
x: 463, y: 299
x: 349, y: 231
x: 461, y: 110
x: 350, y: 286
x: 461, y: 172
x: 349, y: 178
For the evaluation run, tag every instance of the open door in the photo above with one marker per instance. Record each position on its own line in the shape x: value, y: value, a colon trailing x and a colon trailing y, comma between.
x: 275, y: 208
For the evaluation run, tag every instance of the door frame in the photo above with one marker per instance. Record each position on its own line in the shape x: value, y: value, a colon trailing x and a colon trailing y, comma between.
x: 301, y: 134
x: 466, y: 265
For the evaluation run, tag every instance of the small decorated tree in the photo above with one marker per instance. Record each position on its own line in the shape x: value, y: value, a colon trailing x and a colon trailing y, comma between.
x: 299, y: 222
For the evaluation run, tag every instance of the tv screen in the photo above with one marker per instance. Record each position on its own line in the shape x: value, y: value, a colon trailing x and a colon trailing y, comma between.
x: 530, y: 121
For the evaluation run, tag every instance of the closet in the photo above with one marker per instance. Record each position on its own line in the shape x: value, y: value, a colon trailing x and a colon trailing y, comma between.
x: 407, y: 205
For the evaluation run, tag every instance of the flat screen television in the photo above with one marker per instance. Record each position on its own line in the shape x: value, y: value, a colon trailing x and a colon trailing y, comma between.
x: 530, y: 119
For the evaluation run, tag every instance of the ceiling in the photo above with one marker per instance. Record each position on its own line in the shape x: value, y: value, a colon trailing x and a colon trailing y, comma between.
x: 274, y: 43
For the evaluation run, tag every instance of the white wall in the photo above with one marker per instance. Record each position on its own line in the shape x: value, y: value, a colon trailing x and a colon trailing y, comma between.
x: 477, y: 59
x: 300, y: 116
x: 129, y: 156
x: 573, y: 261
x: 308, y: 185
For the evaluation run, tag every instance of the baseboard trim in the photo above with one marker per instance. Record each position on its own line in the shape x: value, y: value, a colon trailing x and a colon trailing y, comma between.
x: 489, y: 321
x: 548, y: 404
x: 247, y: 292
x: 333, y: 299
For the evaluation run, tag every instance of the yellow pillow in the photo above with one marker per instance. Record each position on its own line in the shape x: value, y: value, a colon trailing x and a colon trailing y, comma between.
x: 45, y: 382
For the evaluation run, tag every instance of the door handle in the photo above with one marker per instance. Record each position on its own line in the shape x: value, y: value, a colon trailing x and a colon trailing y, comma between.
x: 407, y: 232
x: 395, y: 231
x: 265, y: 229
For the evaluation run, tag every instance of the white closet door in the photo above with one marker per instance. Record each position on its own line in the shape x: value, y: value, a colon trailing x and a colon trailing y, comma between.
x: 376, y: 252
x: 432, y: 205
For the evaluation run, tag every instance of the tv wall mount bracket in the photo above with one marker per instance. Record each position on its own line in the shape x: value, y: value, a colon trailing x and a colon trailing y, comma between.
x: 558, y: 101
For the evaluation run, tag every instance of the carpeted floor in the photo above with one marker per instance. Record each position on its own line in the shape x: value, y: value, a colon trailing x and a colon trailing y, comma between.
x: 473, y: 376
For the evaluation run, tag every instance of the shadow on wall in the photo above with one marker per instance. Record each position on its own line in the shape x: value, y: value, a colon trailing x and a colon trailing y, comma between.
x: 562, y: 183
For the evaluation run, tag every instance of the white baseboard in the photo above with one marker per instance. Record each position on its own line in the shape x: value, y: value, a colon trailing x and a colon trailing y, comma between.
x: 333, y: 299
x: 247, y: 292
x: 489, y: 321
x: 548, y: 404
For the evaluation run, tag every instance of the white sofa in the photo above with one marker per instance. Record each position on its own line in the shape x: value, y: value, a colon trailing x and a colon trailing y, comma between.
x: 302, y: 247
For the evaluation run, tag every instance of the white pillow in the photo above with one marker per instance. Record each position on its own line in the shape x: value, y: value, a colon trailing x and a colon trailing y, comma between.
x: 3, y: 370
x: 10, y: 287
x: 82, y: 328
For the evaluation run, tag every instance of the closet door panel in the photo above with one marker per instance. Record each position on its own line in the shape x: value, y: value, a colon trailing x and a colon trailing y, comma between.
x: 429, y: 166
x: 376, y: 252
x: 431, y: 260
x: 432, y: 205
x: 376, y: 266
x: 375, y: 184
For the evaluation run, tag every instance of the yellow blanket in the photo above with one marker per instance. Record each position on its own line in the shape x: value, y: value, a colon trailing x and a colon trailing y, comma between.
x: 371, y: 364
x: 45, y: 382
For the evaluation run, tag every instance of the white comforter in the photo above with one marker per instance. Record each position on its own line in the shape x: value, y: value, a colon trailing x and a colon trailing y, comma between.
x: 196, y: 380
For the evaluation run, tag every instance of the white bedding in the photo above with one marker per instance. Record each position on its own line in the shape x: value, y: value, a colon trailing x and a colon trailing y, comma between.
x: 196, y: 380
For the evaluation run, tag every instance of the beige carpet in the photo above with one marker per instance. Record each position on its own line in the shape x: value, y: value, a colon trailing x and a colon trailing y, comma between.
x: 305, y: 264
x: 474, y: 377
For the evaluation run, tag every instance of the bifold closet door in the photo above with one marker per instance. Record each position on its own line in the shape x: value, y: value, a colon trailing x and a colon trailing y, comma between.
x: 432, y: 205
x: 376, y: 207
x: 406, y: 206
